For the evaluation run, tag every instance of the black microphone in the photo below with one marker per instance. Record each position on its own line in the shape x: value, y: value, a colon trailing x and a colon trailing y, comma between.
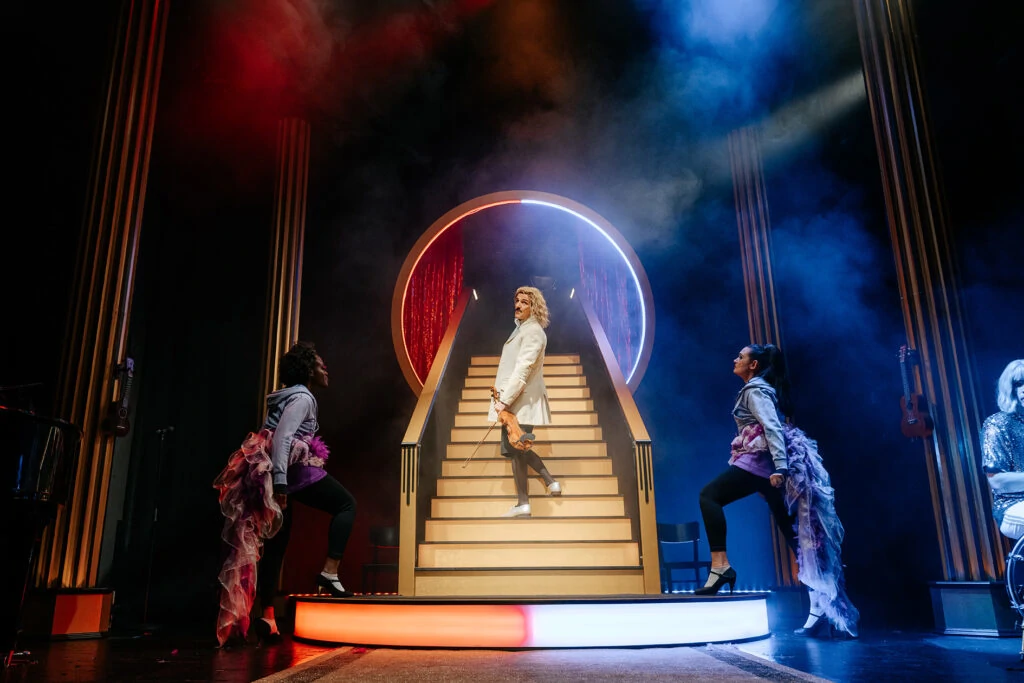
x: 169, y: 429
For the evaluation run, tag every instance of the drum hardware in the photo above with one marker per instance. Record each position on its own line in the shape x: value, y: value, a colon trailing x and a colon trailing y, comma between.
x: 1015, y: 584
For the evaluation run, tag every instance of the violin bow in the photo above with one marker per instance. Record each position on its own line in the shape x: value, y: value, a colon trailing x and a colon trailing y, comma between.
x: 479, y: 443
x: 494, y: 397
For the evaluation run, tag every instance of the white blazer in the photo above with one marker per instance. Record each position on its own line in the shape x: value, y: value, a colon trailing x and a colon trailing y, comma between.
x: 520, y: 378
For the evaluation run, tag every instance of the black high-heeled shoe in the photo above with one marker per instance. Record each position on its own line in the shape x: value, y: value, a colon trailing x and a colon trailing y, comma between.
x: 819, y: 629
x: 726, y: 577
x: 235, y: 640
x: 332, y: 586
x: 264, y: 633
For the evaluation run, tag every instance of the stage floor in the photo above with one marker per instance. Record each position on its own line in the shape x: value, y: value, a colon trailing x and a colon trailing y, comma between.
x: 532, y: 623
x: 190, y: 654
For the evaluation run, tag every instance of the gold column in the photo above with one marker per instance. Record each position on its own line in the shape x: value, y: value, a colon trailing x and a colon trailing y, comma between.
x: 754, y: 223
x: 287, y: 239
x: 97, y: 330
x: 929, y: 287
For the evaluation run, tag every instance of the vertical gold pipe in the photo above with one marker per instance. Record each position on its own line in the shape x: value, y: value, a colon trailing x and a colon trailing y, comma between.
x: 97, y: 329
x: 287, y: 241
x: 929, y: 288
x: 754, y: 224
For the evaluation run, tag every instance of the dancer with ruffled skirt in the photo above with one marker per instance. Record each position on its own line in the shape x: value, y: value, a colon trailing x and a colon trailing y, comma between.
x: 781, y: 463
x: 283, y: 463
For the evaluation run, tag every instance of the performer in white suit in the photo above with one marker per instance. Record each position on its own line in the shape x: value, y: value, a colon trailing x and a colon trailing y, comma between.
x: 521, y: 390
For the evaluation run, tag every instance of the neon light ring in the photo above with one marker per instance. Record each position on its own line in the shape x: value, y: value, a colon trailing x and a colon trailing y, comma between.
x: 553, y: 201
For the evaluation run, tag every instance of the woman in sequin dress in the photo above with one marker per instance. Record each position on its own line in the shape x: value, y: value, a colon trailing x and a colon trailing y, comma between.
x: 1002, y: 448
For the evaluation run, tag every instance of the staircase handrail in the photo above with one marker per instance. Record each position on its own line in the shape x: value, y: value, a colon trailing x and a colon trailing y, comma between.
x: 412, y: 444
x: 642, y: 459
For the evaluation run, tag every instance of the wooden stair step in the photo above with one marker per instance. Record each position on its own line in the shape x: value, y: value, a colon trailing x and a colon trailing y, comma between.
x: 549, y: 381
x: 498, y: 466
x: 483, y: 394
x: 557, y: 419
x: 505, y: 486
x: 529, y: 554
x: 544, y: 433
x: 549, y: 359
x: 545, y: 449
x: 549, y: 370
x: 498, y: 582
x: 545, y: 506
x: 562, y: 405
x: 532, y: 529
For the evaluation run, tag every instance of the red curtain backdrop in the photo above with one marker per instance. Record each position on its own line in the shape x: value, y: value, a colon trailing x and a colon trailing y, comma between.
x: 607, y: 284
x: 434, y: 289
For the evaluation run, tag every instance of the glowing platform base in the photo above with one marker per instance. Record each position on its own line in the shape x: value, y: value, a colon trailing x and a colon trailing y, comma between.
x: 503, y: 623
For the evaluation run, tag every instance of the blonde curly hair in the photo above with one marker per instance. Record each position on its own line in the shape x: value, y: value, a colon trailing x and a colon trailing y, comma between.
x: 1012, y: 377
x: 538, y: 306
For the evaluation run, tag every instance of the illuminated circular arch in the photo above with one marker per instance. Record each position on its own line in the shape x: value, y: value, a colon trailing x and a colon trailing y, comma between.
x: 488, y: 201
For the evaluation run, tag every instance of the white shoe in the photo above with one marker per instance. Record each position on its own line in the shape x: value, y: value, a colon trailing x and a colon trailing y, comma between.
x: 554, y: 489
x: 518, y: 511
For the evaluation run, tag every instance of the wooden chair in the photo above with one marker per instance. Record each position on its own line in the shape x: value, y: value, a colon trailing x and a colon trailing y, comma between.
x: 383, y: 539
x: 672, y: 536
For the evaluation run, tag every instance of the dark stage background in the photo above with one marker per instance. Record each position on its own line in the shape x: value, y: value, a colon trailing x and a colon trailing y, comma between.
x: 416, y: 107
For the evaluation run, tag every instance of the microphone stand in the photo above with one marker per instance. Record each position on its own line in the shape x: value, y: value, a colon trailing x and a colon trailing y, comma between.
x: 162, y: 433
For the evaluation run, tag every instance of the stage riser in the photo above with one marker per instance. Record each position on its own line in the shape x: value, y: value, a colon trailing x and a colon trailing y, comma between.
x: 555, y: 359
x: 543, y: 433
x: 563, y: 449
x: 568, y: 506
x: 533, y: 529
x: 549, y: 381
x: 557, y: 406
x: 554, y: 393
x: 549, y: 370
x: 505, y: 486
x: 525, y: 555
x: 480, y: 467
x: 530, y: 583
x: 557, y: 419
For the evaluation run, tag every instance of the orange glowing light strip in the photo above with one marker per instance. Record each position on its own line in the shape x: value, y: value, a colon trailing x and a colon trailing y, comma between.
x: 495, y: 626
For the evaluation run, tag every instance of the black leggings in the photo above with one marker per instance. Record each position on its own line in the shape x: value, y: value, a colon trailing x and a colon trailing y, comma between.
x: 731, y: 485
x: 521, y: 460
x: 327, y: 495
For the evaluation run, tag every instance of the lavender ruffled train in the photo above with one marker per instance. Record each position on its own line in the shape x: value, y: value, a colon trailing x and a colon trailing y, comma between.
x: 811, y: 499
x: 819, y: 533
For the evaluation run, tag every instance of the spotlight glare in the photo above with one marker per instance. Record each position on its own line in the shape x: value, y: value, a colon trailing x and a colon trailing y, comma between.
x: 636, y: 280
x: 475, y: 297
x: 572, y: 292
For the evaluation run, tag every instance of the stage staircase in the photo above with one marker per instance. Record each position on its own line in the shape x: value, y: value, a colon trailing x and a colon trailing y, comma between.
x: 579, y: 543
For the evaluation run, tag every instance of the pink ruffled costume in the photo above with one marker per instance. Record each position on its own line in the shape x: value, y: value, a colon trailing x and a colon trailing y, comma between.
x: 252, y: 516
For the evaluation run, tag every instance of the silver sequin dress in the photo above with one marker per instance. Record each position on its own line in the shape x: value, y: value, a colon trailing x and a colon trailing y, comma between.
x: 1002, y: 448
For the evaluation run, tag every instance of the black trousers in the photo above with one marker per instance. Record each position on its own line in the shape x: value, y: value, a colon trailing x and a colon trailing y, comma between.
x: 521, y: 460
x: 328, y: 495
x: 731, y: 485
